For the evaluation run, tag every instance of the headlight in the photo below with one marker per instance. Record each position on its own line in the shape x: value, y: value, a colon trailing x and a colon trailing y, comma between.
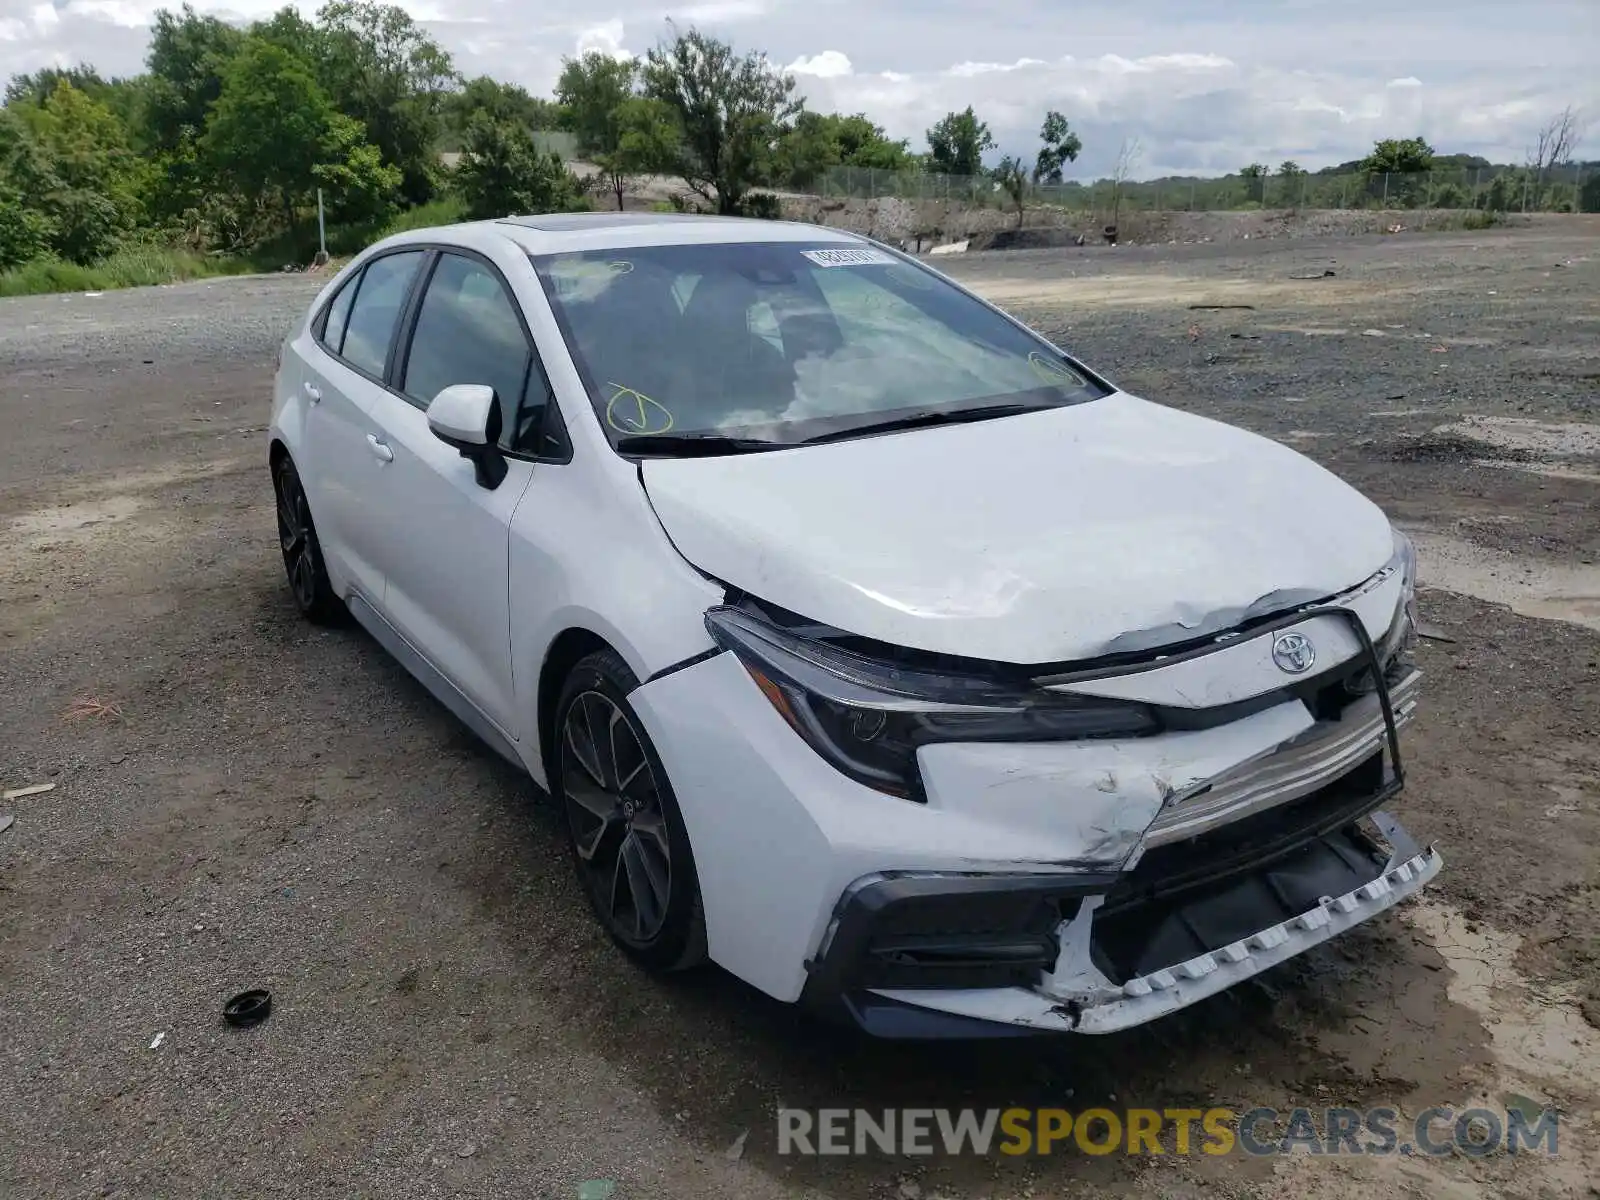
x: 1400, y: 640
x: 868, y: 717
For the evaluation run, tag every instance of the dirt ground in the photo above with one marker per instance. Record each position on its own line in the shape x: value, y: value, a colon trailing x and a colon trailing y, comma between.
x: 241, y: 800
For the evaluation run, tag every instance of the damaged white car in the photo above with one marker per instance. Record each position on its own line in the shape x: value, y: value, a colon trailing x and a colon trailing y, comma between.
x: 874, y: 648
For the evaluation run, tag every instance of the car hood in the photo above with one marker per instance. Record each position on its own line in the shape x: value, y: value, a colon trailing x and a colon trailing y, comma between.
x: 1113, y: 526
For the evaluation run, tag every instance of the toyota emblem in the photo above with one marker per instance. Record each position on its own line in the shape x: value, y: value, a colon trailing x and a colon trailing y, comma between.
x: 1294, y: 653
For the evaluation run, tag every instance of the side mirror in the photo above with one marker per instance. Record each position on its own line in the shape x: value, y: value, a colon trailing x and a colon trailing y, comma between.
x: 467, y: 416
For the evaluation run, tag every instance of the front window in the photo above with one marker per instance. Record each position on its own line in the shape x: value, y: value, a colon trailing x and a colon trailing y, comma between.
x: 778, y: 343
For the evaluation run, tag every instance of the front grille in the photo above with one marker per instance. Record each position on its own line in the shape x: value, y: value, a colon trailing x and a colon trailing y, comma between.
x: 1323, y: 753
x: 1176, y: 867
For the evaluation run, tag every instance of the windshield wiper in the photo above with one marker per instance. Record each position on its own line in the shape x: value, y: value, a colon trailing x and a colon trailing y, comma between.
x: 918, y: 420
x: 692, y: 445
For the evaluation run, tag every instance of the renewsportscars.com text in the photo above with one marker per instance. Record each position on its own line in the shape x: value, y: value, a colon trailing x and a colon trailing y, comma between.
x: 1151, y: 1131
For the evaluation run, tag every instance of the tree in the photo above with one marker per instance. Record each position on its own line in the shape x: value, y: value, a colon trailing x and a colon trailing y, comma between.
x: 37, y: 88
x: 1012, y: 176
x: 592, y: 88
x: 86, y: 183
x: 1398, y: 155
x: 819, y: 141
x: 1060, y: 147
x: 502, y: 101
x: 274, y: 133
x: 25, y: 177
x: 1553, y: 148
x: 503, y: 172
x: 289, y: 30
x: 358, y: 187
x: 1556, y: 141
x: 1128, y: 156
x: 1293, y: 176
x: 386, y: 72
x: 595, y: 90
x: 188, y: 55
x: 730, y: 112
x: 865, y: 144
x: 956, y: 144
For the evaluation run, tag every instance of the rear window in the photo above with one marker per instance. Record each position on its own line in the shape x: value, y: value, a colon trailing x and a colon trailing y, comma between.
x: 783, y: 341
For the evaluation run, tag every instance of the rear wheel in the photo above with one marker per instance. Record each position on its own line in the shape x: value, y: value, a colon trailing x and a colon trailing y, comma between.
x: 628, y: 839
x: 302, y: 553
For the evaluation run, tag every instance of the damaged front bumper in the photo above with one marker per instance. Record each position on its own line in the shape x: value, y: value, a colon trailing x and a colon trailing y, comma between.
x: 1237, y: 873
x: 1065, y: 886
x: 1119, y: 960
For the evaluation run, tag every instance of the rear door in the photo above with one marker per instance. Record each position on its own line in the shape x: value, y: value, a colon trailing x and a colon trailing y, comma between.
x: 353, y: 340
x: 445, y: 550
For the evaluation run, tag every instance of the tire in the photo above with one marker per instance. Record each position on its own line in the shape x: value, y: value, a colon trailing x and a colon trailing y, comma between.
x: 302, y: 554
x: 626, y: 832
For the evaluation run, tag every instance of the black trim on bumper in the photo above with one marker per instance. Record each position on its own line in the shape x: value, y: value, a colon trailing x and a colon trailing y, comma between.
x: 946, y: 931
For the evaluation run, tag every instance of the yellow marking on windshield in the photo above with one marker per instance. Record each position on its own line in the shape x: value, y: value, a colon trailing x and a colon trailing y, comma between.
x: 632, y: 412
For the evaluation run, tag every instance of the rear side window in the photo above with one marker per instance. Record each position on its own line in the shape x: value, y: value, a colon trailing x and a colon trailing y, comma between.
x: 338, y: 315
x: 375, y: 311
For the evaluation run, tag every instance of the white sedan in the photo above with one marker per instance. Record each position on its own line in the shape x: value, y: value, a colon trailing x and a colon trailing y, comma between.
x: 874, y: 647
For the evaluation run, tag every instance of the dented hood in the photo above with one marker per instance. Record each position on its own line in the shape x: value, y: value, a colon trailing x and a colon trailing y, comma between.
x: 1111, y: 526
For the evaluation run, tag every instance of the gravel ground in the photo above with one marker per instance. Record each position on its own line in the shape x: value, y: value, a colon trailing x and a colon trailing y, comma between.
x: 241, y: 800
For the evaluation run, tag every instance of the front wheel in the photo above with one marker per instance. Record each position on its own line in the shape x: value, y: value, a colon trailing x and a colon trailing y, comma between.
x: 302, y: 553
x: 628, y: 839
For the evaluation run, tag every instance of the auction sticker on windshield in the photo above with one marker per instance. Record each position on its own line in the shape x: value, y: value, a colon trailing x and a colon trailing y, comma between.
x: 849, y: 258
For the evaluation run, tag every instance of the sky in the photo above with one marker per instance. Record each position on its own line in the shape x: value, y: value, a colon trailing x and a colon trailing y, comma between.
x: 1203, y: 87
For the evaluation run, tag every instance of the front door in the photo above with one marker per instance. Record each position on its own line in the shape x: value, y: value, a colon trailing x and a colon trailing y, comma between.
x: 446, y: 539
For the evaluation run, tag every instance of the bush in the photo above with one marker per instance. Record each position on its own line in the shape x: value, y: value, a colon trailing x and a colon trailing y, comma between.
x: 1589, y: 198
x: 762, y: 205
x: 446, y: 211
x: 132, y: 266
x: 24, y: 232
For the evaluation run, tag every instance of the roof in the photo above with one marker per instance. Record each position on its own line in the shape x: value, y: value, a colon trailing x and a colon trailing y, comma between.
x: 556, y: 232
x: 562, y: 222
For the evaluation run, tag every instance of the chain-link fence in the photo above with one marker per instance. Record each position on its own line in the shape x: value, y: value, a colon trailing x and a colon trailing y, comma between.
x: 1496, y: 189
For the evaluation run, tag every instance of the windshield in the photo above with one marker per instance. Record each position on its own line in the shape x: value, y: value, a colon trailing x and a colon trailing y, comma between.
x: 784, y: 342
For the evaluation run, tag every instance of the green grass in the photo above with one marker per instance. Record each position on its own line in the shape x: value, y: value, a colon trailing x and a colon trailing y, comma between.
x: 146, y: 265
x: 133, y: 266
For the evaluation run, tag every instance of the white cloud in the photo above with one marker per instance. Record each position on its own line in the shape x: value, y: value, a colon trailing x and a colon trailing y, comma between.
x: 1405, y: 81
x: 830, y: 64
x: 966, y: 70
x: 122, y: 13
x: 1164, y: 62
x: 605, y: 38
x: 711, y: 12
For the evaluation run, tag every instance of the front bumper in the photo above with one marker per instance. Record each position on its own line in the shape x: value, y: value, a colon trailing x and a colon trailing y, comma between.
x: 1122, y: 959
x: 1079, y: 887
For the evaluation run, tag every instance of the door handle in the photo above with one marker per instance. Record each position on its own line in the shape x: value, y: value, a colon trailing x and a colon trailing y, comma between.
x: 380, y: 448
x: 312, y: 391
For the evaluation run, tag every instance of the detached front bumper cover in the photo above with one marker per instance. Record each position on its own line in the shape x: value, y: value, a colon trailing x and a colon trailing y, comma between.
x: 1136, y: 945
x: 1077, y: 997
